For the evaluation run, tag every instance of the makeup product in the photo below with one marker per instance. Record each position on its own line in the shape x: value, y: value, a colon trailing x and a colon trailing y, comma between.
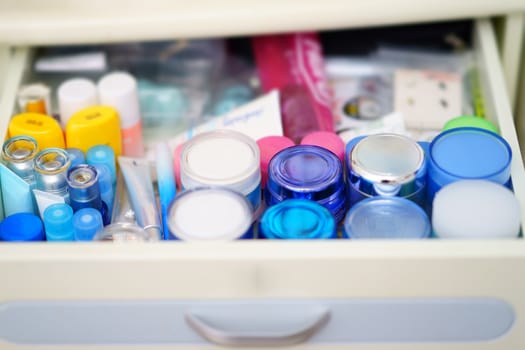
x: 84, y: 190
x: 119, y: 90
x: 122, y: 211
x: 210, y: 214
x: 43, y: 128
x: 103, y: 154
x: 74, y: 95
x: 297, y: 219
x: 136, y: 173
x: 475, y: 209
x: 34, y: 98
x: 105, y: 185
x: 122, y: 232
x: 467, y: 153
x: 19, y: 154
x: 307, y: 172
x: 21, y: 227
x: 51, y: 166
x: 58, y: 222
x: 293, y: 63
x: 223, y: 158
x: 268, y: 147
x: 327, y: 139
x: 76, y: 156
x: 470, y: 121
x: 386, y: 165
x: 16, y: 193
x: 165, y: 183
x: 91, y: 126
x: 87, y: 222
x: 386, y: 218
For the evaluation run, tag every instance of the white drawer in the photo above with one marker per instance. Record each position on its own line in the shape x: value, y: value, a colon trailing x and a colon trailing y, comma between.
x: 326, y: 271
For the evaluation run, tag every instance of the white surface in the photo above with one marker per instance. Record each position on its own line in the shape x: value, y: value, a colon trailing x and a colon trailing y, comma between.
x: 79, y: 21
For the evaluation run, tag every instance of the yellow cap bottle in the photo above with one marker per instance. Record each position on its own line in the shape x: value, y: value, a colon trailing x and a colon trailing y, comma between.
x: 96, y: 125
x: 45, y: 129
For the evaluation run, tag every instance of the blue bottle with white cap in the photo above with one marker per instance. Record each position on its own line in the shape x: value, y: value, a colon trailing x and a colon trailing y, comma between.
x: 87, y: 222
x: 297, y: 219
x: 22, y: 227
x: 58, y: 222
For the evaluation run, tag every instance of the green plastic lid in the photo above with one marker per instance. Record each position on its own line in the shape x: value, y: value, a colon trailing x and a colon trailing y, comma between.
x: 470, y: 121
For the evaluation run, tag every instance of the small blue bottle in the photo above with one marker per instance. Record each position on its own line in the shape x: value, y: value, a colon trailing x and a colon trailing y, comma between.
x: 84, y: 190
x: 307, y: 172
x: 103, y: 154
x: 297, y: 219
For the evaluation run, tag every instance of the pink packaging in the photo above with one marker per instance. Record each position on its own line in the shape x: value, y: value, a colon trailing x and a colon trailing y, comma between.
x: 293, y: 64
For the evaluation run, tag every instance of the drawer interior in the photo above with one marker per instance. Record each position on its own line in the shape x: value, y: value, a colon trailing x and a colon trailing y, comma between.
x: 275, y: 270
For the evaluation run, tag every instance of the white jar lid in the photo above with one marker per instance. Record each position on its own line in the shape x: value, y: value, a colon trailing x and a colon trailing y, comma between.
x: 223, y: 158
x: 73, y: 95
x: 475, y: 209
x: 205, y: 214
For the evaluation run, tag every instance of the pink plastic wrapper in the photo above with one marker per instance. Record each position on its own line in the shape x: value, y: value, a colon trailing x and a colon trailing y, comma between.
x: 293, y: 64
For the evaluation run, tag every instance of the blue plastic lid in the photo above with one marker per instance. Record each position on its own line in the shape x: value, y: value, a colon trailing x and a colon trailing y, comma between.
x: 76, y: 156
x: 87, y: 222
x: 386, y: 217
x: 58, y: 222
x: 298, y: 219
x: 22, y: 227
x: 103, y: 154
x: 471, y: 153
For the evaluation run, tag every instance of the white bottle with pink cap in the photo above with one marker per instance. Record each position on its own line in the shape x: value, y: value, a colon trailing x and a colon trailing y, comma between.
x: 119, y: 90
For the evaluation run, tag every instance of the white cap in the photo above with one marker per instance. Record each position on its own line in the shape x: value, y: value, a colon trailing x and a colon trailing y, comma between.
x: 476, y: 209
x: 73, y: 95
x: 119, y: 90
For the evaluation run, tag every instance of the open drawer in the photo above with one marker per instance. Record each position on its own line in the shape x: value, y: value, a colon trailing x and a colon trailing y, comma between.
x: 328, y: 294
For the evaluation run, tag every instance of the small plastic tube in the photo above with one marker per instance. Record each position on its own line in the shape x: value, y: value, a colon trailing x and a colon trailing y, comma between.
x: 136, y: 173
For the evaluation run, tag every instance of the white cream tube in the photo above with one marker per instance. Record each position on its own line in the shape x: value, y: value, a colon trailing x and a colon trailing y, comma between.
x: 136, y: 173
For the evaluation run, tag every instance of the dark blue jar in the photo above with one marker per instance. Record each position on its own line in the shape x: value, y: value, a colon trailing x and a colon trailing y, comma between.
x: 307, y: 172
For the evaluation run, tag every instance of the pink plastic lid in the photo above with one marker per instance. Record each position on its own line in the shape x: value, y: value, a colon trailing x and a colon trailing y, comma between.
x: 269, y: 146
x: 326, y: 139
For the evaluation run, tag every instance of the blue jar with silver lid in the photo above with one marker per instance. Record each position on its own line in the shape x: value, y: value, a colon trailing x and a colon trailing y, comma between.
x: 386, y: 165
x: 307, y: 172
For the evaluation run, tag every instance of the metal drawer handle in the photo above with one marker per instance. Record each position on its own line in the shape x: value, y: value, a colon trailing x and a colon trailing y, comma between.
x: 271, y: 332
